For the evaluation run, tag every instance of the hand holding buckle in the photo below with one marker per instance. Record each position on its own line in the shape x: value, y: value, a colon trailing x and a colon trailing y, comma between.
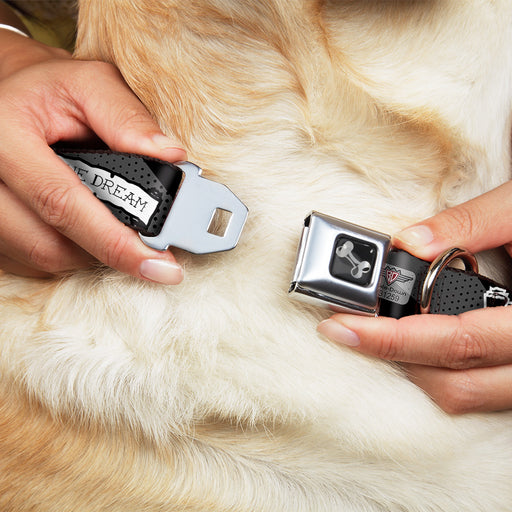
x: 351, y: 269
x: 169, y: 204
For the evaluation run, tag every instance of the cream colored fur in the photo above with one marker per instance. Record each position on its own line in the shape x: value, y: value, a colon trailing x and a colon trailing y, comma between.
x: 218, y: 395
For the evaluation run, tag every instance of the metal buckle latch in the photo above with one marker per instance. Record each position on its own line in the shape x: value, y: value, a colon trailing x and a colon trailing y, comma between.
x: 339, y: 265
x: 187, y: 225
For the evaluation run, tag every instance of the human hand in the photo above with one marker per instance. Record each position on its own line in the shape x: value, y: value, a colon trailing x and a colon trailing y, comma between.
x: 51, y: 222
x: 463, y: 362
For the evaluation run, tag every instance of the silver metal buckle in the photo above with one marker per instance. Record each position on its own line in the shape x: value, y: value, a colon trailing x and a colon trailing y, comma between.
x: 196, y: 203
x: 339, y: 265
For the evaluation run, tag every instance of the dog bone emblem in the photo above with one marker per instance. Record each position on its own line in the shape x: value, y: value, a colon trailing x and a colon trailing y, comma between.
x: 358, y: 267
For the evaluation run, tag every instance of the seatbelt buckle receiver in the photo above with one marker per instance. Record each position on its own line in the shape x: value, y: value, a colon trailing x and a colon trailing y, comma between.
x: 339, y: 265
x: 351, y: 269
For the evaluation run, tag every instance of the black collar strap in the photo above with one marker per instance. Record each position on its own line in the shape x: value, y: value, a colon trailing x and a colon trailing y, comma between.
x: 168, y: 204
x: 355, y: 270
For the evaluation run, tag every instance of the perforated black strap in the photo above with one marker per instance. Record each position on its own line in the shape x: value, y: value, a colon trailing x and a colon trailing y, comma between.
x: 139, y: 191
x: 455, y: 291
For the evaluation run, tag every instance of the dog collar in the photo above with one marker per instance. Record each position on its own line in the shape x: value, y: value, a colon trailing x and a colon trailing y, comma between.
x: 168, y: 204
x: 351, y: 269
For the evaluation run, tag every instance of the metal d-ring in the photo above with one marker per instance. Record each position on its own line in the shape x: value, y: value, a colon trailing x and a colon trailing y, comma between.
x: 437, y: 266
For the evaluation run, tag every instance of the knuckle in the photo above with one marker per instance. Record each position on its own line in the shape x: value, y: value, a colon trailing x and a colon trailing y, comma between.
x: 54, y: 205
x: 42, y: 257
x: 79, y: 83
x: 386, y: 349
x: 98, y: 69
x: 115, y: 251
x: 460, y: 394
x: 389, y: 346
x: 135, y: 115
x: 465, y: 349
x: 461, y: 220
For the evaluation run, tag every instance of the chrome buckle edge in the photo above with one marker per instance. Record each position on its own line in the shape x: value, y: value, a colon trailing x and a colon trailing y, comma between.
x: 313, y: 280
x: 191, y: 214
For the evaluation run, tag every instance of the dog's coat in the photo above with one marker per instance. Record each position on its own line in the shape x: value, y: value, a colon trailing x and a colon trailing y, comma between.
x: 218, y: 394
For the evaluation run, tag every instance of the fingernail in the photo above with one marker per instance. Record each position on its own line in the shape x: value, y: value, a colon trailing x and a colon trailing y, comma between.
x: 416, y: 236
x: 161, y: 271
x: 338, y: 333
x: 165, y: 143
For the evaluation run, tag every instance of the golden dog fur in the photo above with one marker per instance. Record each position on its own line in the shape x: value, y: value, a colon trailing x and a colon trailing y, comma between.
x: 218, y: 395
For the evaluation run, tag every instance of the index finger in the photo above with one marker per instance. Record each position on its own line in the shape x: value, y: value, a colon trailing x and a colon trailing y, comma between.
x: 478, y: 224
x: 476, y: 338
x: 117, y: 115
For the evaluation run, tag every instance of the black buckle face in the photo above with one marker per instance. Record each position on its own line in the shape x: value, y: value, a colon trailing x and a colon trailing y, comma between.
x: 339, y: 265
x: 353, y: 260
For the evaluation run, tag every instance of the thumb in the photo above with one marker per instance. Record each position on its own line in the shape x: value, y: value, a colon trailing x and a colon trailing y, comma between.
x: 479, y: 224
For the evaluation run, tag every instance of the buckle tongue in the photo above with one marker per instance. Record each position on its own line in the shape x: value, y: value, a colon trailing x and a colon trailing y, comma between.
x: 188, y: 223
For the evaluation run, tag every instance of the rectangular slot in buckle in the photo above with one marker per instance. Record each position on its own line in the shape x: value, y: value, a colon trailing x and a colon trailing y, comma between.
x: 189, y: 224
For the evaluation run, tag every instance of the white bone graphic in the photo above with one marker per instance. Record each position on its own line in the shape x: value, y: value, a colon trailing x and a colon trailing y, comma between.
x: 358, y: 267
